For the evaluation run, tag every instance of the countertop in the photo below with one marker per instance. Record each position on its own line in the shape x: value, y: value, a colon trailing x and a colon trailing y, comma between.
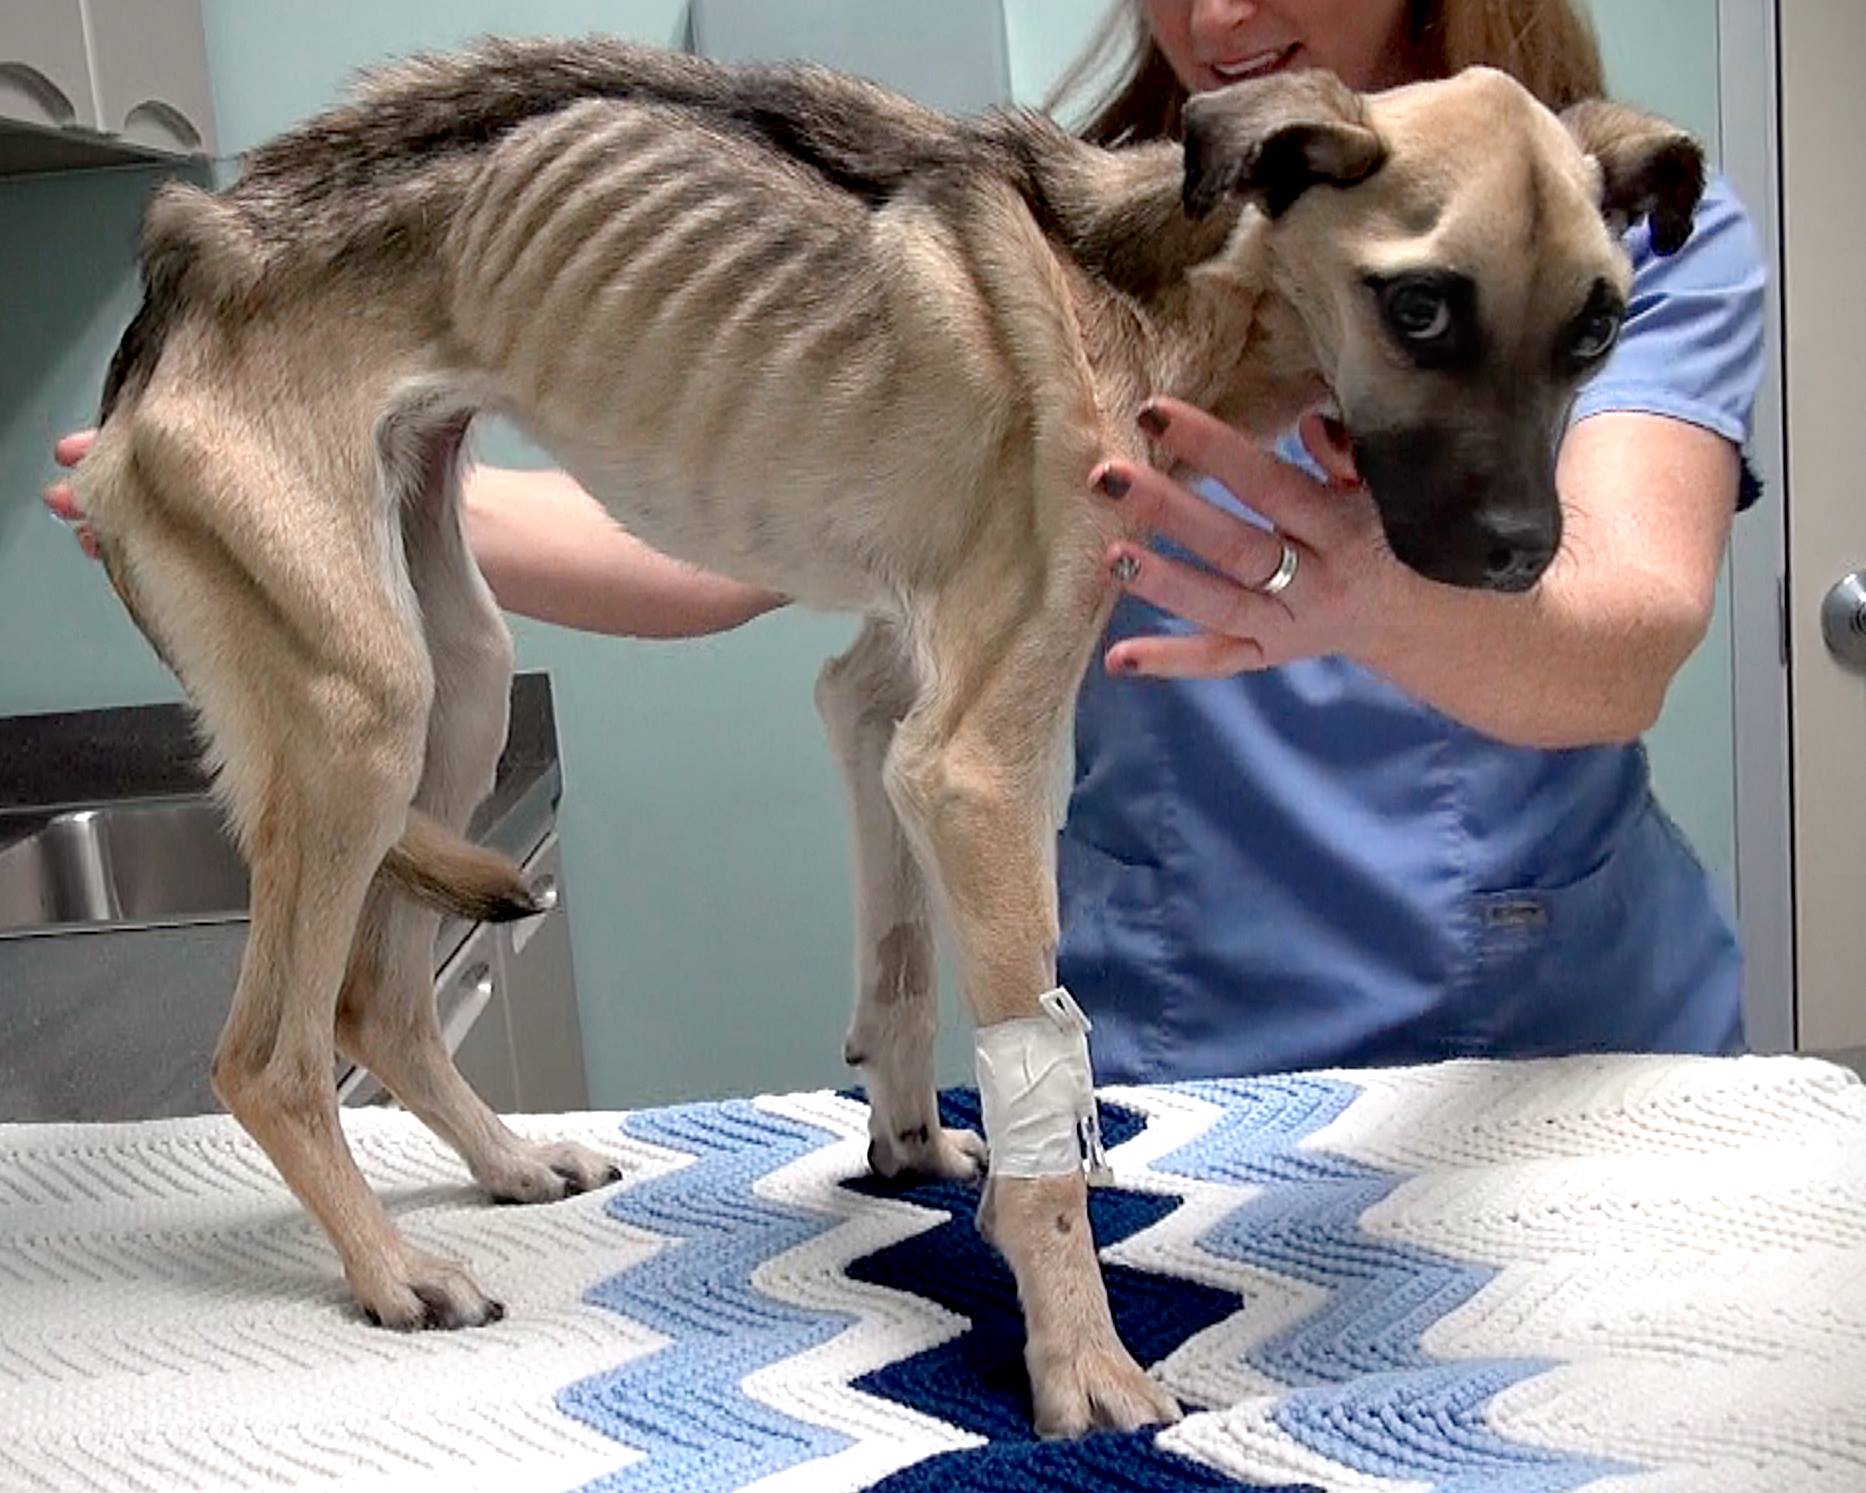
x: 64, y: 759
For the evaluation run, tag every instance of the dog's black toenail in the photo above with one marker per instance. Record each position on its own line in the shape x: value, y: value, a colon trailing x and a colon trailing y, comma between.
x: 437, y: 1310
x: 614, y: 1174
x: 573, y: 1183
x: 918, y: 1136
x: 495, y: 1312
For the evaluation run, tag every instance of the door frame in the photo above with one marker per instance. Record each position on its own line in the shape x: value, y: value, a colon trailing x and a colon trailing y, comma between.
x: 1749, y: 127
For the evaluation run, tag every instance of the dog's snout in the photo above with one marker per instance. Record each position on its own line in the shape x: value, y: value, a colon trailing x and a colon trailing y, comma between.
x: 1482, y: 524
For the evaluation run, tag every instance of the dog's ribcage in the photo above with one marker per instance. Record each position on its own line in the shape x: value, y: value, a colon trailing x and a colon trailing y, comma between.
x: 756, y: 370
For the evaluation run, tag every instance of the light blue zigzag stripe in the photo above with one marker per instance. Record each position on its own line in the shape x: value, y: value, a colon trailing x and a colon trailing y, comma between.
x: 1370, y: 1396
x: 682, y: 1404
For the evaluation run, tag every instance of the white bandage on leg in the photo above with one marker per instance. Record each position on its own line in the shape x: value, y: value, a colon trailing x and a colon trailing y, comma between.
x: 1039, y: 1094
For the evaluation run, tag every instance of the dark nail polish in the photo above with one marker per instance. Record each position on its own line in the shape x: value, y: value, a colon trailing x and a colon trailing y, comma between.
x: 1152, y: 421
x: 1126, y: 569
x: 1128, y: 666
x: 1113, y: 484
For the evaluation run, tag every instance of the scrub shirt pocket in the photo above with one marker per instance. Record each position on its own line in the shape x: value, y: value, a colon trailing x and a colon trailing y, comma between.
x: 1632, y: 955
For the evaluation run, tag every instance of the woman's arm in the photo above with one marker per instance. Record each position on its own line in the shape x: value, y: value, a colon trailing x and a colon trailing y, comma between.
x: 1588, y: 656
x: 550, y: 551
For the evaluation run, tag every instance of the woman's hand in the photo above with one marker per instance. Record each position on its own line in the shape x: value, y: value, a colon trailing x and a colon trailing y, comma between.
x: 1584, y: 658
x: 59, y: 496
x: 1344, y: 580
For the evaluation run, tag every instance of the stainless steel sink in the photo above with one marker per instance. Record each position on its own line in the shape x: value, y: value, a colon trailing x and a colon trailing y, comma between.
x: 148, y: 861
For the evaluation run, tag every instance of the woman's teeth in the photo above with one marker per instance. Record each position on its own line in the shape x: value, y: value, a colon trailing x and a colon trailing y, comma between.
x: 1253, y: 66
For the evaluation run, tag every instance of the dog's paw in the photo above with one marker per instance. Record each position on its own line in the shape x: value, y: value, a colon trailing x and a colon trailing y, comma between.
x: 430, y: 1293
x: 548, y: 1172
x: 1101, y: 1389
x: 927, y: 1151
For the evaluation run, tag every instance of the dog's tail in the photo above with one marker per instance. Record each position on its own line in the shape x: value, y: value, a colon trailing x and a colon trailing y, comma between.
x: 438, y: 867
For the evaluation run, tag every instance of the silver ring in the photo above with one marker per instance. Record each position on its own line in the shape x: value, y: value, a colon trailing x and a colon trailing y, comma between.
x: 1285, y: 573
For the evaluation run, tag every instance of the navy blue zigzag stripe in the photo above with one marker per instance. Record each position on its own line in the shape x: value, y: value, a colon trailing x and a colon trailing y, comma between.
x: 977, y: 1380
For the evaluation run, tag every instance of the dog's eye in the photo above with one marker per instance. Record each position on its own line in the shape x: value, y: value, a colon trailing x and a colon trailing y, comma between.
x: 1418, y: 312
x: 1431, y: 314
x: 1595, y: 336
x: 1595, y: 328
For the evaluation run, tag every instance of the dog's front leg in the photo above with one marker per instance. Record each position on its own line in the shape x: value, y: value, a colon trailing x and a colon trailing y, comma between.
x: 969, y: 773
x: 1081, y: 1377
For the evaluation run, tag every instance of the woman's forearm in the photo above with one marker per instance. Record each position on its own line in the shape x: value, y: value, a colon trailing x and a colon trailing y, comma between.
x: 1588, y: 656
x: 551, y: 551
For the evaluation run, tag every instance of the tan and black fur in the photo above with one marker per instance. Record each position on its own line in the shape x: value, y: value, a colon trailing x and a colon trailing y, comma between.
x: 796, y: 329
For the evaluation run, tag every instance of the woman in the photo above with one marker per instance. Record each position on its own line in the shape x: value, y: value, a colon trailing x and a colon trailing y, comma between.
x: 1377, y: 820
x: 1372, y: 819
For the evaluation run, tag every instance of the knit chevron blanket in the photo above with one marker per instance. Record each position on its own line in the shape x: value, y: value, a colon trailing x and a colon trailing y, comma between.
x: 1639, y: 1274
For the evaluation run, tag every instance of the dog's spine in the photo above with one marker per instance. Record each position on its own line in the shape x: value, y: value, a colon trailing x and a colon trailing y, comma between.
x: 443, y: 870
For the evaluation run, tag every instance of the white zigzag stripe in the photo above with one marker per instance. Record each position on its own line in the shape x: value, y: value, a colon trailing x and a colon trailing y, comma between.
x: 1212, y: 1368
x: 180, y: 1323
x: 1687, y: 1238
x: 1246, y: 1442
x: 816, y: 1385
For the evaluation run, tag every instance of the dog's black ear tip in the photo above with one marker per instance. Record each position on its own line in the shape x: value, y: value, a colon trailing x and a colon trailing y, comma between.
x: 1670, y: 234
x: 1199, y: 191
x: 1197, y: 199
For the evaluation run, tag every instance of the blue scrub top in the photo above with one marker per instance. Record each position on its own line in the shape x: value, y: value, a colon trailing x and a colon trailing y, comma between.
x: 1307, y: 868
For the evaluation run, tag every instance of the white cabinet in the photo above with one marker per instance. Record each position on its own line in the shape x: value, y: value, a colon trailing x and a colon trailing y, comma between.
x: 100, y: 82
x: 45, y: 77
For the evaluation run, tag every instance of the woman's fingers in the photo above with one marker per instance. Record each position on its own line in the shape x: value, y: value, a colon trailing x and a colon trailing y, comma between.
x: 62, y: 499
x: 1209, y: 601
x: 1201, y: 656
x: 1329, y: 447
x: 1288, y: 497
x: 70, y: 450
x: 63, y: 502
x: 1157, y: 504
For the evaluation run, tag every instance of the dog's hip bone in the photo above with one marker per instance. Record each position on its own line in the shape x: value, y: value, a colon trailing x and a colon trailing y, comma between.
x: 1038, y: 1094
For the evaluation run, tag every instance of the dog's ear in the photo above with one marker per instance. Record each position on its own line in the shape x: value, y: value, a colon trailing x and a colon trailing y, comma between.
x: 1649, y: 169
x: 1272, y: 140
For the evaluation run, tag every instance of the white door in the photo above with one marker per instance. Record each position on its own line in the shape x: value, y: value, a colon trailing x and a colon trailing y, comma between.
x: 1823, y: 135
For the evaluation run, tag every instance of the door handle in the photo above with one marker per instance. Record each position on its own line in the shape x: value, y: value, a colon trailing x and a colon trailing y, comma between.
x: 1843, y: 620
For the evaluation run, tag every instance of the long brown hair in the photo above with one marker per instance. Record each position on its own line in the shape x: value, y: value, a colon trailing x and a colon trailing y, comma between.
x: 1546, y: 45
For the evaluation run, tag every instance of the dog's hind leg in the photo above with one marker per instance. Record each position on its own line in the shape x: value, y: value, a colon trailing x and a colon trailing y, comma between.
x: 861, y: 696
x: 386, y: 1019
x: 268, y: 567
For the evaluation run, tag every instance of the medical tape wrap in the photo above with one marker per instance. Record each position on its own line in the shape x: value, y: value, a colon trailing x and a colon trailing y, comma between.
x: 1038, y: 1094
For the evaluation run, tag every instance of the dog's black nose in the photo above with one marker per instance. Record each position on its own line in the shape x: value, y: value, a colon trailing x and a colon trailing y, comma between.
x: 1507, y: 569
x: 1517, y: 551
